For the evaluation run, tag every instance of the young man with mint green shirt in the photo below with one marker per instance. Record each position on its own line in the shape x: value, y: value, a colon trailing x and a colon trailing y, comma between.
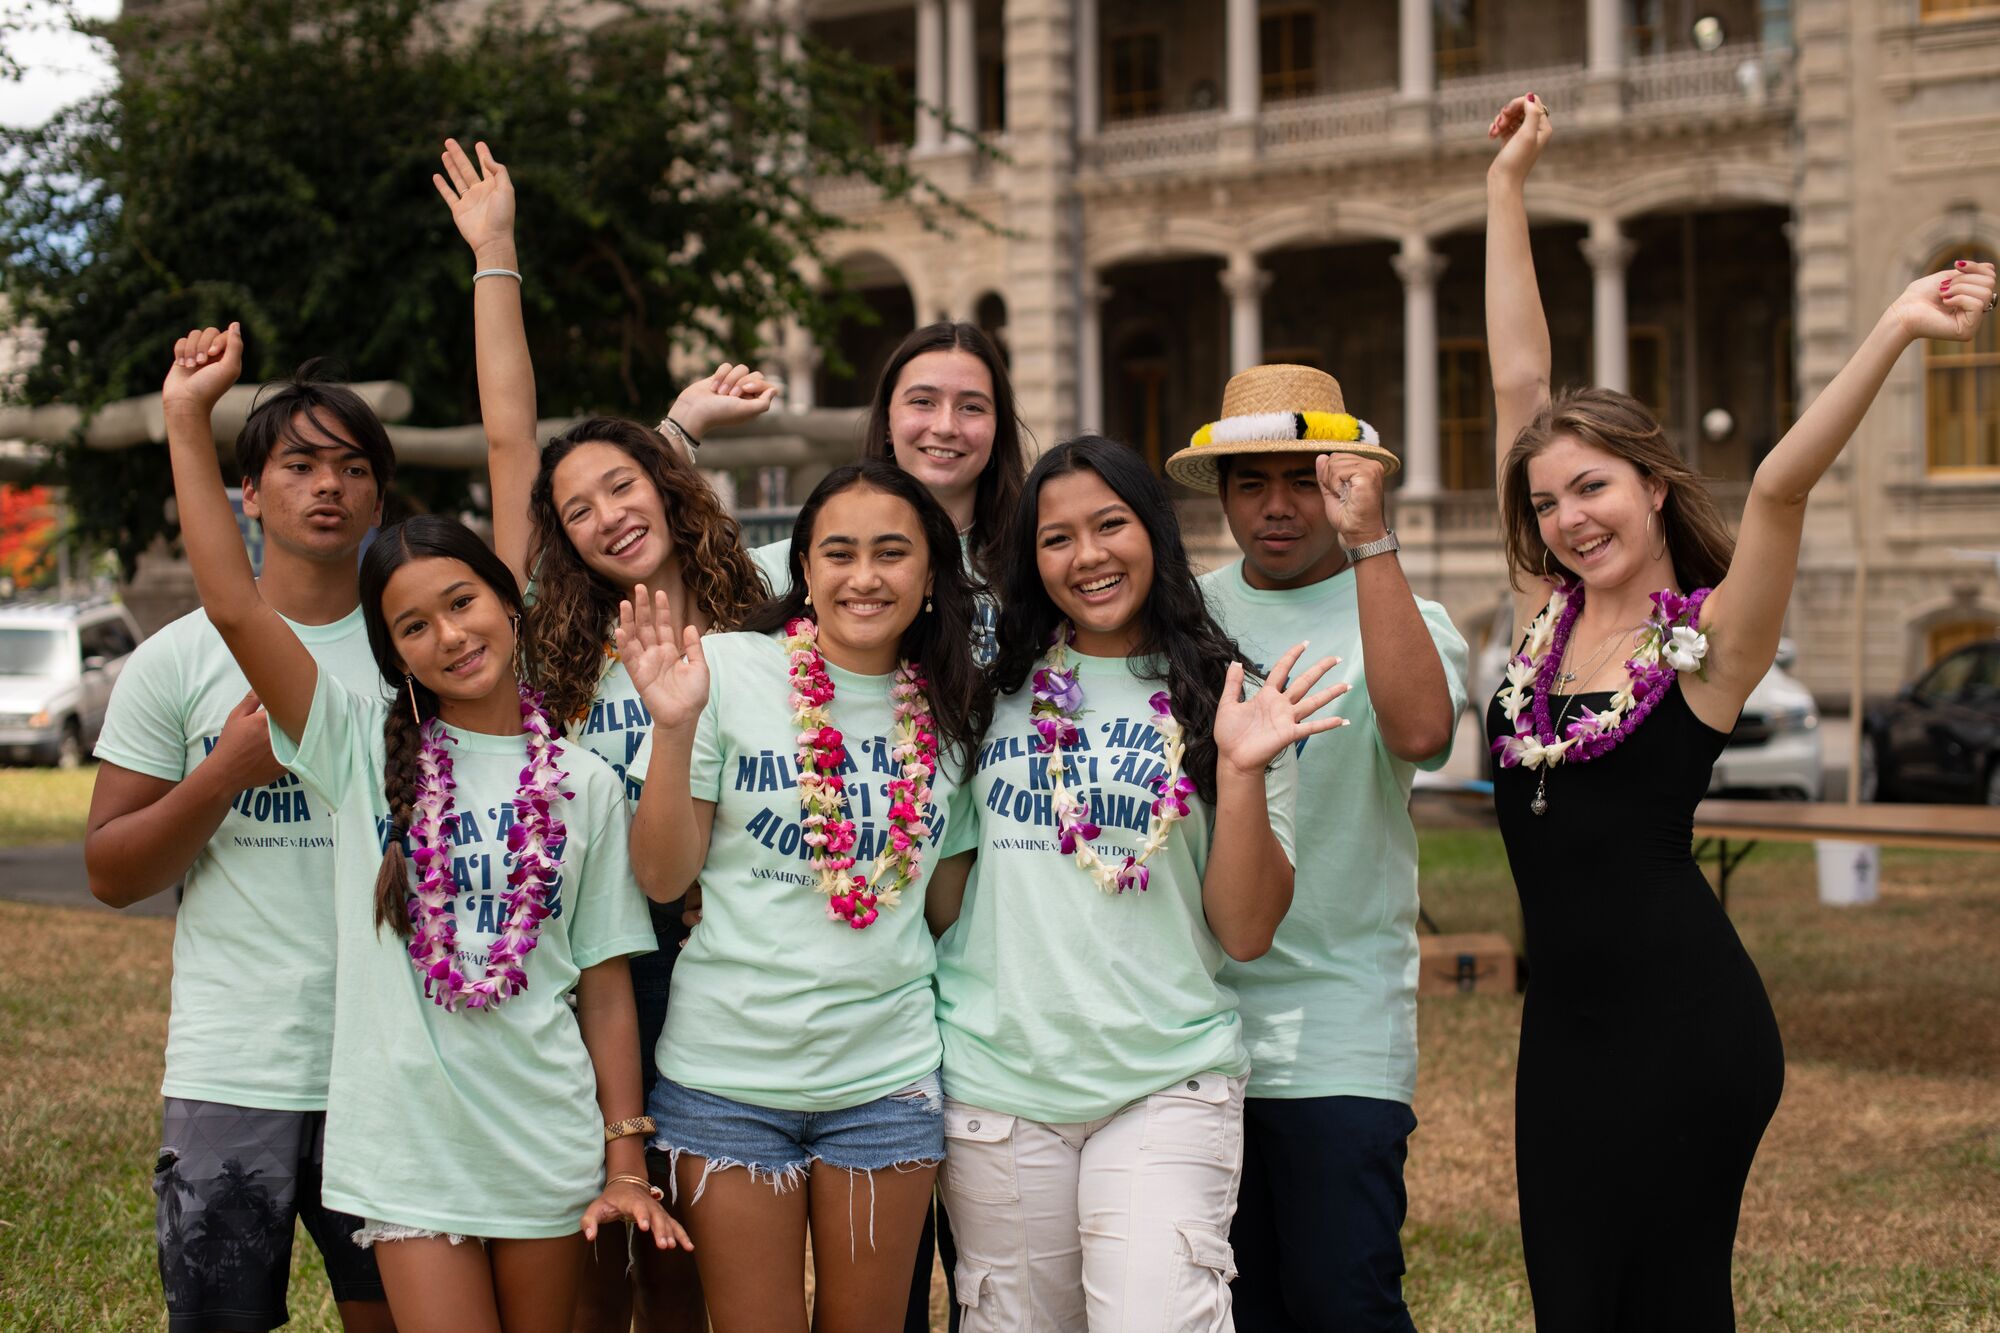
x: 189, y: 790
x: 1330, y: 1013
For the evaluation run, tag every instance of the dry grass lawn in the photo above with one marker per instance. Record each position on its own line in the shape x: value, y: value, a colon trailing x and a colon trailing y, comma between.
x: 1875, y: 1203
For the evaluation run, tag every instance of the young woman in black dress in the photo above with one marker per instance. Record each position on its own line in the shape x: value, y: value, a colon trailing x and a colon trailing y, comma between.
x: 1650, y: 1059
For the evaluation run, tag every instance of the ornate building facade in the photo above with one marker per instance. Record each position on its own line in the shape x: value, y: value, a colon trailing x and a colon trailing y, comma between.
x: 1736, y: 191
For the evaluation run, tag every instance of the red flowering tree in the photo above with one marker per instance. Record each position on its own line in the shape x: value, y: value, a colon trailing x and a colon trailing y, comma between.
x: 27, y: 534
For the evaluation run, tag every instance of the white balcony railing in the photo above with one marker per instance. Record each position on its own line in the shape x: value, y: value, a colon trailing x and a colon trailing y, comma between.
x: 1155, y: 143
x: 1323, y: 126
x: 1467, y: 106
x: 1744, y: 75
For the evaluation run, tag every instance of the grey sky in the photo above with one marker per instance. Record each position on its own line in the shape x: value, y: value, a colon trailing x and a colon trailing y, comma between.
x: 60, y: 69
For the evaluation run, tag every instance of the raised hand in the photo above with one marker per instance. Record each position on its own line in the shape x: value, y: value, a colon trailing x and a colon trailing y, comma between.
x: 664, y: 660
x: 1523, y: 130
x: 206, y: 363
x: 732, y: 395
x: 1948, y: 305
x: 1351, y: 488
x: 624, y: 1200
x: 481, y: 197
x: 1249, y: 733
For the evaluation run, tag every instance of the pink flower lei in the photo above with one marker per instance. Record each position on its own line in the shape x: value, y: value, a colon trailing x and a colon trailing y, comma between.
x: 535, y: 840
x: 1670, y: 643
x: 859, y: 899
x: 1058, y: 702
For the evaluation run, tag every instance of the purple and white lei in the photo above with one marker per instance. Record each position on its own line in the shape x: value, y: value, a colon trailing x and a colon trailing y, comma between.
x: 1058, y: 702
x: 1670, y: 643
x: 535, y: 840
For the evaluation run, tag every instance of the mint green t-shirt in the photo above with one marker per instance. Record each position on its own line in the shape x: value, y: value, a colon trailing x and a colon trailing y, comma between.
x: 252, y: 1016
x: 1059, y: 1001
x: 479, y: 1122
x: 615, y: 727
x: 1331, y: 1010
x: 773, y: 1003
x: 775, y: 561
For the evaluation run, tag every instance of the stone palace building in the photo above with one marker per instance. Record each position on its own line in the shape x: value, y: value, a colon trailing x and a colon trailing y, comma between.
x: 1736, y: 190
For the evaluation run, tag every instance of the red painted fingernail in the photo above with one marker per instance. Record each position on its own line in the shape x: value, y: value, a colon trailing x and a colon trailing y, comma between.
x: 1961, y: 263
x: 1531, y: 97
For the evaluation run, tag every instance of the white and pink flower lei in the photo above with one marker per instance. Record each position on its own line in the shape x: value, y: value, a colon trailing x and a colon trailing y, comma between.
x: 535, y: 840
x: 1669, y: 644
x: 859, y: 899
x: 1058, y: 702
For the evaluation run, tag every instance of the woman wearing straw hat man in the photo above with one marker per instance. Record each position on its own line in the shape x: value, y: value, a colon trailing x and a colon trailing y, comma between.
x: 1330, y: 1013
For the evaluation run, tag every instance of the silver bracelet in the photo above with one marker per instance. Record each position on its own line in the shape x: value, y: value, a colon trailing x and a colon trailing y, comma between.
x: 496, y: 273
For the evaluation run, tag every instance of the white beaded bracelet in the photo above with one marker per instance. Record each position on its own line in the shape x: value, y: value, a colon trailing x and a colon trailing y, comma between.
x: 496, y: 273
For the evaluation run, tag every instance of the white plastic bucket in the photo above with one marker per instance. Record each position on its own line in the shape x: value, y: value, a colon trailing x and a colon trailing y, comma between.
x: 1850, y: 873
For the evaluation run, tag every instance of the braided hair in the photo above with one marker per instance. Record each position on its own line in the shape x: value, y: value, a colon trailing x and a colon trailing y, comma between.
x: 423, y: 537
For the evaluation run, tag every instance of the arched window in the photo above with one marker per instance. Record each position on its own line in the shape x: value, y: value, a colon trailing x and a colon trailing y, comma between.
x: 1962, y: 391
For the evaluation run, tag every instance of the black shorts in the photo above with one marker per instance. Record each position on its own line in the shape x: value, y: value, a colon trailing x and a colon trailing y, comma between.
x: 230, y: 1181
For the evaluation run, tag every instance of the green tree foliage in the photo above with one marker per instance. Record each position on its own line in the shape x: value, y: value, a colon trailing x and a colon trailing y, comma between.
x: 270, y: 161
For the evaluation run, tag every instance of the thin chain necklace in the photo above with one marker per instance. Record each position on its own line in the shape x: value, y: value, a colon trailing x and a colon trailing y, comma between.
x: 1540, y: 804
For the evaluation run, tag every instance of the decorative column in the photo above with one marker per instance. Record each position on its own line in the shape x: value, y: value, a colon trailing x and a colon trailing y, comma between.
x: 1419, y: 268
x: 1416, y: 83
x: 930, y: 74
x: 1245, y: 283
x: 1090, y: 354
x: 1242, y: 59
x: 1088, y: 60
x: 800, y: 357
x: 1604, y: 78
x: 1609, y: 251
x: 962, y: 68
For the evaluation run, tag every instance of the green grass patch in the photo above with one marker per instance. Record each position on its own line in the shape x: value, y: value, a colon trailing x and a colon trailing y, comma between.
x: 41, y: 805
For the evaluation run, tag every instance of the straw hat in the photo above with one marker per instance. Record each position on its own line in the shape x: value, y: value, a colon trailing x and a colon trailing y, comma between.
x: 1277, y: 410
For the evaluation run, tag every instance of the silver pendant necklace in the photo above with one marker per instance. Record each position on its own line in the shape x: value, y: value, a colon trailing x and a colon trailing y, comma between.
x: 1540, y: 804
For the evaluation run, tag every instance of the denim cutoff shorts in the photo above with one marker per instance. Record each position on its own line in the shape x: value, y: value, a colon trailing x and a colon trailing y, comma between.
x: 903, y: 1130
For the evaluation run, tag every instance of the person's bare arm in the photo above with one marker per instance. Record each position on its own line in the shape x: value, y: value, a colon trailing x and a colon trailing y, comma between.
x: 1246, y: 887
x: 1748, y: 607
x: 144, y: 832
x: 944, y: 896
x: 609, y: 1020
x: 279, y: 668
x: 481, y: 199
x: 1407, y: 689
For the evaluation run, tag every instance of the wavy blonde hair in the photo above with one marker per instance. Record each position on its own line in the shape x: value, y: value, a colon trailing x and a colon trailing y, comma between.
x: 568, y: 628
x: 1698, y: 537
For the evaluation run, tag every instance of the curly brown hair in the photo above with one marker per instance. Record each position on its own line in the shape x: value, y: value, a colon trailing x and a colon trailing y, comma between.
x: 569, y: 625
x: 1697, y: 534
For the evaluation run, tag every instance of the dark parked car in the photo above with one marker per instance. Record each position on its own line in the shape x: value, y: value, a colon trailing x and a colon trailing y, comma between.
x: 1939, y: 739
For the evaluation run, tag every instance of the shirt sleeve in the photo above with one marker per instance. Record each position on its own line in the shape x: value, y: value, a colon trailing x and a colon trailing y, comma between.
x: 775, y: 563
x: 611, y: 917
x: 145, y: 723
x: 1281, y: 794
x: 1452, y: 652
x: 334, y: 756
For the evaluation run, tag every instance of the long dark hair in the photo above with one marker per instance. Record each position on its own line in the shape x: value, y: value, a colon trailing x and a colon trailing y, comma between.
x: 575, y: 607
x: 999, y: 487
x: 940, y: 639
x: 1180, y: 643
x: 422, y: 537
x: 1697, y: 534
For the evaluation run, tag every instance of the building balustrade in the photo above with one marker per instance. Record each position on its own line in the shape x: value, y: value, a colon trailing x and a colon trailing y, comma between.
x: 1725, y: 79
x: 1322, y: 127
x: 1155, y: 143
x: 1466, y: 106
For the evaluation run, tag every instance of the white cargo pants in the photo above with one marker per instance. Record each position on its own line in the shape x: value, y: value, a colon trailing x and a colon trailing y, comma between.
x: 1116, y: 1225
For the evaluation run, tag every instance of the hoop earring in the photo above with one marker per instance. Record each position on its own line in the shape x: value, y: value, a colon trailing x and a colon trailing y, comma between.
x: 410, y: 684
x: 1651, y: 515
x: 1545, y: 564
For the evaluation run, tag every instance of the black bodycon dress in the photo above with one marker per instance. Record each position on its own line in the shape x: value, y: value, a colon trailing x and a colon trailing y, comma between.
x: 1650, y: 1059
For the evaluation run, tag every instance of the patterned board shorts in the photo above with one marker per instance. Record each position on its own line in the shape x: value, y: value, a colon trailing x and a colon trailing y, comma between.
x: 230, y: 1181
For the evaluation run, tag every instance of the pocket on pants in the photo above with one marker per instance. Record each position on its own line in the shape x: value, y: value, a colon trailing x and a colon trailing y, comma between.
x: 969, y: 1281
x: 1193, y: 1115
x: 1204, y: 1266
x: 979, y: 1156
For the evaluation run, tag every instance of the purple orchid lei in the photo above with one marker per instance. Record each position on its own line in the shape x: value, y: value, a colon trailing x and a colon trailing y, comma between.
x: 1058, y: 702
x: 535, y: 840
x: 1669, y: 644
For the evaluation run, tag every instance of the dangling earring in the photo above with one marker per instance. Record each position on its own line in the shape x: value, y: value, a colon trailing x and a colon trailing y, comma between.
x: 1545, y: 564
x: 1651, y: 515
x: 927, y: 602
x: 809, y: 597
x: 410, y: 684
